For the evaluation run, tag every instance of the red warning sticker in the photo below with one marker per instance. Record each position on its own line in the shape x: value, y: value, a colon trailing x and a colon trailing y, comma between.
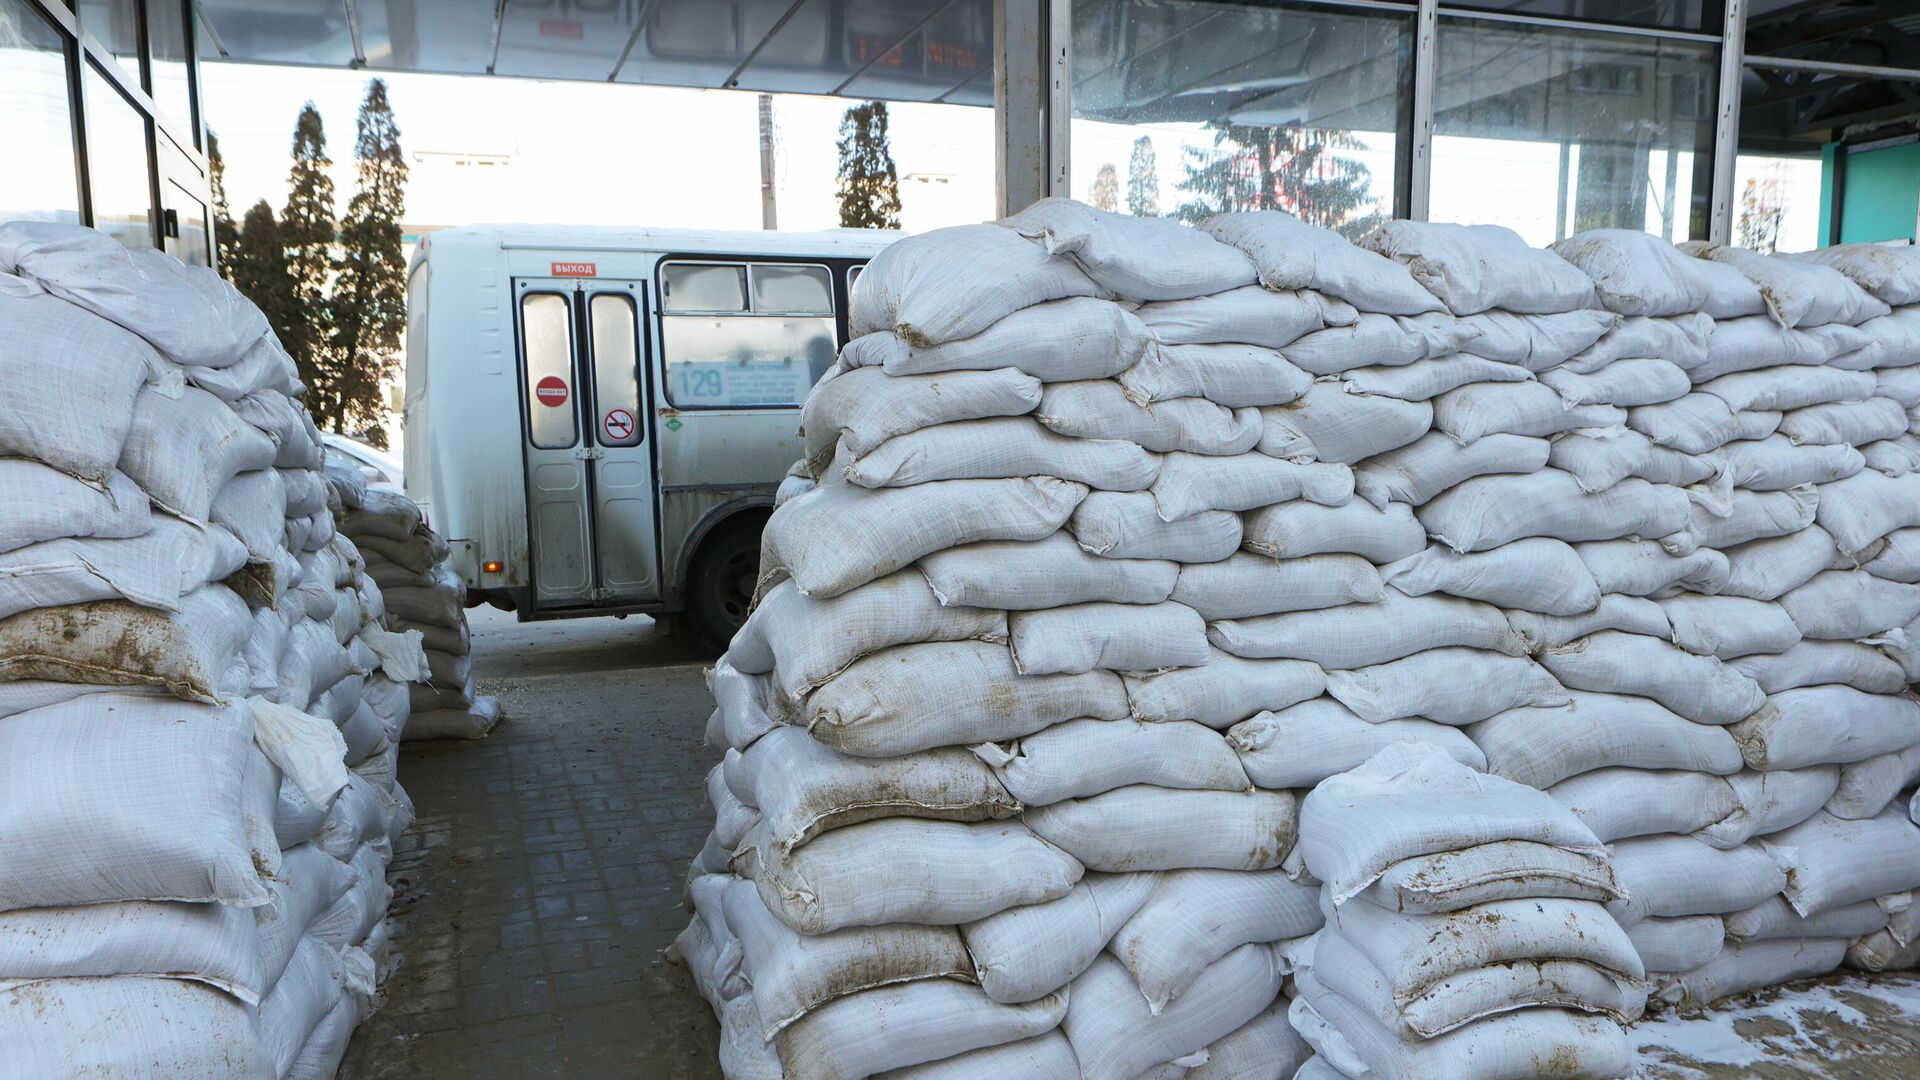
x: 551, y: 391
x: 619, y: 425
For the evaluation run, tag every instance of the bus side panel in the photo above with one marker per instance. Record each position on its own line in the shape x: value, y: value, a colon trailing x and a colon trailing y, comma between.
x: 715, y: 457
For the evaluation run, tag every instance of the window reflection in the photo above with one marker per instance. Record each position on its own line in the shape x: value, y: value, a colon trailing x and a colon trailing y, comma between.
x: 36, y: 123
x: 119, y: 169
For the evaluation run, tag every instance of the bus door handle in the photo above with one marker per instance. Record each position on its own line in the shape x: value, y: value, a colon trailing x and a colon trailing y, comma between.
x: 587, y: 453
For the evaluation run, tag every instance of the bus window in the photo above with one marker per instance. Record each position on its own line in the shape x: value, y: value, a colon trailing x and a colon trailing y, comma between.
x: 616, y: 368
x: 704, y: 287
x: 546, y: 330
x: 853, y: 277
x: 799, y: 290
x: 768, y: 355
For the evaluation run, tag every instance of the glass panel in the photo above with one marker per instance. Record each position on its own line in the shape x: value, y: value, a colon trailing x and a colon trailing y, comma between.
x: 1551, y: 131
x: 1670, y: 14
x: 1776, y: 203
x: 1191, y: 109
x: 546, y: 328
x: 116, y: 25
x: 616, y: 369
x: 36, y: 120
x: 167, y: 60
x: 798, y: 290
x: 118, y: 166
x: 728, y: 362
x: 705, y: 287
x: 189, y: 244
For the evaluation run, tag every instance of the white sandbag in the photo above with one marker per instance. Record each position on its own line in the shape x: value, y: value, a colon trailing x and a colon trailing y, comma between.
x: 1195, y: 917
x: 1642, y: 381
x: 1844, y: 605
x: 1116, y: 1036
x: 1052, y: 572
x: 181, y: 450
x: 1422, y: 469
x: 210, y: 943
x: 153, y: 570
x: 1671, y: 876
x: 915, y: 697
x: 1362, y: 635
x: 1081, y: 758
x: 1696, y: 424
x: 1773, y: 919
x: 1814, y: 663
x: 1245, y: 584
x: 802, y: 788
x: 1789, y: 388
x: 1290, y: 254
x: 1899, y: 560
x: 1602, y: 459
x: 1355, y: 825
x: 1540, y: 747
x: 998, y: 449
x: 1266, y: 1045
x: 1699, y: 688
x: 1039, y: 1058
x: 1115, y: 637
x: 1270, y: 318
x: 129, y: 1027
x: 1477, y: 410
x: 1850, y: 423
x: 839, y: 536
x: 864, y: 407
x: 1191, y: 484
x: 1376, y: 340
x: 1767, y: 569
x: 1730, y: 627
x: 1026, y: 952
x: 1741, y: 967
x: 1233, y: 375
x: 1134, y: 258
x: 1299, y: 746
x: 1864, y: 507
x: 1224, y: 691
x: 1900, y: 384
x: 1879, y: 951
x: 1894, y: 457
x: 1775, y: 463
x: 253, y: 506
x: 1537, y: 342
x: 1766, y: 802
x: 1831, y: 862
x: 1128, y: 525
x: 1634, y: 568
x: 1682, y: 944
x: 1616, y: 612
x: 935, y: 873
x: 264, y: 367
x: 1820, y: 725
x: 72, y: 416
x: 1151, y: 828
x: 1477, y: 267
x: 116, y: 643
x: 806, y: 641
x: 744, y: 704
x: 1798, y: 293
x: 1450, y: 686
x: 1099, y: 409
x: 1535, y: 574
x: 1618, y: 803
x: 1751, y: 343
x: 1634, y: 272
x: 953, y: 283
x: 1681, y: 339
x: 1058, y: 341
x: 1293, y: 530
x: 1489, y: 511
x: 44, y: 503
x: 1431, y: 378
x: 891, y: 1027
x: 1889, y: 273
x: 1327, y: 423
x: 1870, y: 786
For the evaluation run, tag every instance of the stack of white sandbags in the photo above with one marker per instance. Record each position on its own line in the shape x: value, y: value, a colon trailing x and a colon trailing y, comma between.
x: 1465, y: 929
x: 196, y: 740
x: 408, y: 560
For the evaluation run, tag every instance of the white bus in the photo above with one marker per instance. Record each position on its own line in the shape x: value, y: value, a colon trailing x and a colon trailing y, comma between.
x: 597, y: 418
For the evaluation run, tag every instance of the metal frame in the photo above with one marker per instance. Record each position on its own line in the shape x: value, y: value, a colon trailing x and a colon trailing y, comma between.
x: 1726, y: 124
x: 1419, y: 169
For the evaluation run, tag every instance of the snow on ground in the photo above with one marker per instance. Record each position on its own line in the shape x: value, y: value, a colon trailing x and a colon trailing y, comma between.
x: 1844, y: 1026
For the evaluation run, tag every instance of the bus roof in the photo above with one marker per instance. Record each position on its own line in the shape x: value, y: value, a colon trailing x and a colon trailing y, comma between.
x: 848, y: 243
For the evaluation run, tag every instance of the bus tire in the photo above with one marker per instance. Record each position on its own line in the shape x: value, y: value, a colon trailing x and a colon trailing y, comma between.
x: 720, y: 588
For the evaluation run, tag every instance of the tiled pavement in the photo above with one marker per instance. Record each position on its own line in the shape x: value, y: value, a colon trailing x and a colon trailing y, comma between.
x: 541, y: 883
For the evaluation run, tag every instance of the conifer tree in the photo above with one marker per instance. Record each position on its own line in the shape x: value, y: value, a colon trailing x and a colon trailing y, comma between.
x: 869, y: 186
x: 1105, y: 194
x: 225, y: 231
x: 369, y: 298
x: 307, y: 233
x: 1143, y: 180
x: 1280, y: 168
x: 257, y: 266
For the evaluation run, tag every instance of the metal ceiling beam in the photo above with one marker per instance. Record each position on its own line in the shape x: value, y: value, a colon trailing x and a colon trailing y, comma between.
x: 353, y: 31
x: 639, y: 26
x: 780, y: 24
x: 1834, y: 67
x: 493, y: 49
x: 938, y: 10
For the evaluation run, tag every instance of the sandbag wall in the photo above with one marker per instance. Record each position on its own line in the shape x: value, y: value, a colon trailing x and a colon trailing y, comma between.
x: 198, y: 709
x: 1115, y: 538
x: 408, y: 560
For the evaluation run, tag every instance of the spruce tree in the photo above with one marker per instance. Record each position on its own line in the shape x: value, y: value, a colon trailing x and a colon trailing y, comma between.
x: 1280, y: 168
x: 1143, y: 180
x: 1105, y: 194
x: 869, y: 186
x: 370, y: 285
x: 307, y: 233
x: 225, y: 232
x: 257, y: 266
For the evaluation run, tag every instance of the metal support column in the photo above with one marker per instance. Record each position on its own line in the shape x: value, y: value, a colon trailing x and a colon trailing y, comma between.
x: 1726, y: 128
x: 1420, y: 153
x: 1031, y: 72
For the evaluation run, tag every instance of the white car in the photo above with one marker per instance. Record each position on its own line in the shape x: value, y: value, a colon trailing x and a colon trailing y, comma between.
x: 381, y: 468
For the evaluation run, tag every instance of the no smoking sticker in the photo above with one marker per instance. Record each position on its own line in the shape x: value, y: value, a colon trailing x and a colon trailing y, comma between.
x: 619, y: 425
x: 551, y: 391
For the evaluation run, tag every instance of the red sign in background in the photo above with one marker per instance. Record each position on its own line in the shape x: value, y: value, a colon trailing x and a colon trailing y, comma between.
x: 551, y: 391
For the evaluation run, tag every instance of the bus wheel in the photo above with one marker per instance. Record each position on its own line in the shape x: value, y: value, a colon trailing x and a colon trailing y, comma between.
x: 720, y: 589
